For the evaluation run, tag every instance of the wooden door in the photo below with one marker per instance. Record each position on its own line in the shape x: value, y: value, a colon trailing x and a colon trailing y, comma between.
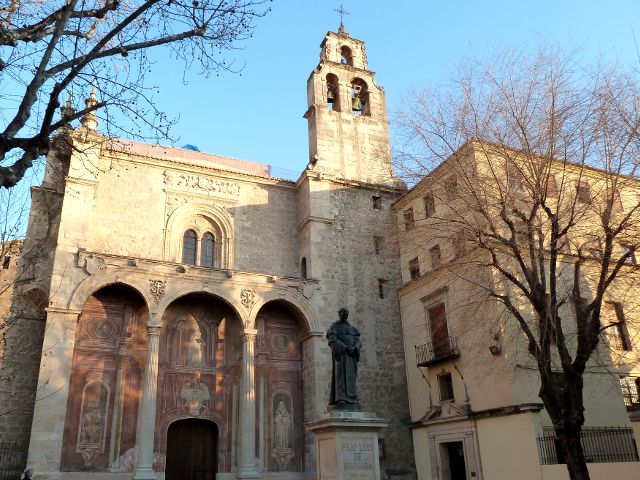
x: 192, y: 450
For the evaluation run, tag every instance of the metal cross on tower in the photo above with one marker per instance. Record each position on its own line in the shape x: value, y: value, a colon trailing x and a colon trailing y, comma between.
x: 342, y: 12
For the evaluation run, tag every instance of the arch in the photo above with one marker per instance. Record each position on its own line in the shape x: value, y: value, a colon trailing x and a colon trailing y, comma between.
x: 346, y: 57
x: 304, y: 314
x: 95, y: 282
x: 176, y: 293
x: 201, y: 217
x: 333, y: 92
x: 360, y: 97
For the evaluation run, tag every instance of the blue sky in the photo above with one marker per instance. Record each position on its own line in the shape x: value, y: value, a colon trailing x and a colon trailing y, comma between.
x: 257, y: 115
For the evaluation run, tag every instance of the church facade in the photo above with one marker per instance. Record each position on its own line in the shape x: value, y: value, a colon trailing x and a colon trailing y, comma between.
x: 183, y: 298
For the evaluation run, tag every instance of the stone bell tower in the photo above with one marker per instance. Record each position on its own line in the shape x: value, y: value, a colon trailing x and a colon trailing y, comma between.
x: 347, y: 114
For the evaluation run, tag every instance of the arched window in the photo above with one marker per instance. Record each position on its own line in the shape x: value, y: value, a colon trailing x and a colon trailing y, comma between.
x: 360, y: 97
x: 345, y: 56
x: 333, y: 92
x: 189, y: 247
x: 303, y: 267
x: 206, y: 250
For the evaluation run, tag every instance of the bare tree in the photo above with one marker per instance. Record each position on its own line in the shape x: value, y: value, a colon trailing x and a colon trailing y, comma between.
x: 50, y: 48
x: 545, y: 154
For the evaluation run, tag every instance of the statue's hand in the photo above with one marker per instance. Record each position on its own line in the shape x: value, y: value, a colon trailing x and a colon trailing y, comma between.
x: 351, y: 350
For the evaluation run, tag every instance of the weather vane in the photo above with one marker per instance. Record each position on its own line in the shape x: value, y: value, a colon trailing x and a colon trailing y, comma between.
x: 342, y: 12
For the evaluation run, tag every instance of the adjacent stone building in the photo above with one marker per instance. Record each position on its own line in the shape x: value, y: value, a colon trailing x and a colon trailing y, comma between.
x: 188, y: 295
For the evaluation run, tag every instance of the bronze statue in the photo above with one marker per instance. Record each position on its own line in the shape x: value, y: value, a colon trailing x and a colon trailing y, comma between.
x: 344, y: 340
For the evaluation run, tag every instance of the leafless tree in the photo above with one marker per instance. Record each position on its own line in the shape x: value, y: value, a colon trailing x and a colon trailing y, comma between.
x: 555, y: 156
x: 50, y: 48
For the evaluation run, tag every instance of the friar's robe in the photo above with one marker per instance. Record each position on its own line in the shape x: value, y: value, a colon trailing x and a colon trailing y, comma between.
x: 342, y: 335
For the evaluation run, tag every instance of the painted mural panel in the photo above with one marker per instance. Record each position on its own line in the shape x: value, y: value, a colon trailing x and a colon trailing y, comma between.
x: 104, y: 387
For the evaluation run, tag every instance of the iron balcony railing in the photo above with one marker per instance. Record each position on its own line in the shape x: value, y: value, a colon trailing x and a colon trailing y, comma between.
x: 437, y: 351
x: 599, y: 444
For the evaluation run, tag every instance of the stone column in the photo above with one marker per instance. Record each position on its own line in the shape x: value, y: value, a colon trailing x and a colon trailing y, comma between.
x: 147, y: 410
x: 50, y: 410
x: 248, y: 465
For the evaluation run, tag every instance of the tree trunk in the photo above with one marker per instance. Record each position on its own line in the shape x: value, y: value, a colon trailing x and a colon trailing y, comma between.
x: 571, y: 448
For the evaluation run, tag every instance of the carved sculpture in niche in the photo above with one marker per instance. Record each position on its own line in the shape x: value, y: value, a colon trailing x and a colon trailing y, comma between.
x: 282, y: 429
x: 195, y: 395
x: 93, y: 420
x: 186, y: 340
x: 195, y: 350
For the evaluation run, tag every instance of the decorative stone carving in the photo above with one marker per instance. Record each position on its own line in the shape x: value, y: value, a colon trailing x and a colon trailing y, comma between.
x: 91, y: 263
x: 203, y: 184
x: 195, y: 394
x: 247, y: 298
x: 305, y: 289
x: 156, y: 288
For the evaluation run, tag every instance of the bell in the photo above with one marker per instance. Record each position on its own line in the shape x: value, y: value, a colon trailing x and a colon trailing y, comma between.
x: 330, y: 96
x: 356, y: 104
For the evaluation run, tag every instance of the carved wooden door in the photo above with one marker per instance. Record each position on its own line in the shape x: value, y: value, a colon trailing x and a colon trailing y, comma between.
x: 192, y: 450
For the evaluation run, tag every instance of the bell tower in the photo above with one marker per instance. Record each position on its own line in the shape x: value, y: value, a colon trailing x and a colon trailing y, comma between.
x: 347, y: 114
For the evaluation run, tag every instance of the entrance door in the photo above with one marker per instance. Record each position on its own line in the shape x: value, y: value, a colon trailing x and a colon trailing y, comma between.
x: 457, y: 467
x: 192, y: 450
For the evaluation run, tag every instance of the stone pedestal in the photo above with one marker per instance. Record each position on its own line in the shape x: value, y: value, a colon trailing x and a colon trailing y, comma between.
x: 347, y: 445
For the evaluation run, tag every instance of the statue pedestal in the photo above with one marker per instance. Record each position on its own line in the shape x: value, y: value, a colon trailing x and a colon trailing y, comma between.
x: 347, y: 445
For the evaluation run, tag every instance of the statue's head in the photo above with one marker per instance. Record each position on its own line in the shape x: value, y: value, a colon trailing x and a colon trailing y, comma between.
x: 343, y: 313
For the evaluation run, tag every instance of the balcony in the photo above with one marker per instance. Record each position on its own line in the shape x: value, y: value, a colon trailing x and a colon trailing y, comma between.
x: 437, y: 351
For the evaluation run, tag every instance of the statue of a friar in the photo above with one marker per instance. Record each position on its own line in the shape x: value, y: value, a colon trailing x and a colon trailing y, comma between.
x: 344, y: 340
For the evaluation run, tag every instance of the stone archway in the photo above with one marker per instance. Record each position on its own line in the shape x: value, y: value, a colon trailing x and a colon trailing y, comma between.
x: 199, y: 372
x: 192, y: 450
x: 108, y: 362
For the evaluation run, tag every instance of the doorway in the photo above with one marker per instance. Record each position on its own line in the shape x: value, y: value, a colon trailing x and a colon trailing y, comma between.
x: 453, y: 461
x: 192, y: 450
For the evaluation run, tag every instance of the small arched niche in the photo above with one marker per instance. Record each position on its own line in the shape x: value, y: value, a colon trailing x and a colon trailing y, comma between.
x: 333, y: 92
x: 360, y: 97
x: 346, y: 57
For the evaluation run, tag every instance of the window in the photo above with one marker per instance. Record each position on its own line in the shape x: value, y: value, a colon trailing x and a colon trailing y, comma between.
x: 436, y: 259
x: 619, y: 336
x: 445, y: 386
x: 189, y: 247
x: 377, y: 202
x: 630, y: 390
x: 563, y: 244
x: 459, y: 245
x: 359, y: 97
x: 333, y: 92
x: 6, y: 262
x: 552, y: 186
x: 303, y: 267
x: 409, y: 222
x: 414, y: 268
x: 441, y: 343
x: 548, y: 324
x: 616, y: 206
x: 628, y: 249
x: 593, y: 247
x: 451, y: 188
x: 345, y: 56
x: 382, y: 288
x: 206, y: 250
x: 583, y: 192
x: 378, y: 244
x: 429, y: 205
x: 515, y: 179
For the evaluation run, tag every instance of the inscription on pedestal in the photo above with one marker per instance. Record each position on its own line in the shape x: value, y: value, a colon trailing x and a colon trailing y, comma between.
x: 357, y: 458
